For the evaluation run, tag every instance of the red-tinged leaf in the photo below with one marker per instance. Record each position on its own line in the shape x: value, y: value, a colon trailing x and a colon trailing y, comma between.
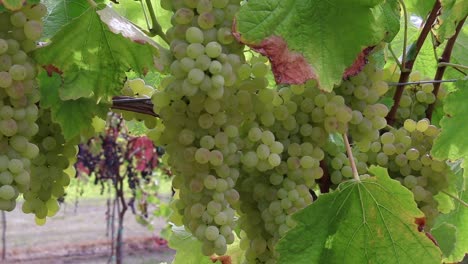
x: 421, y: 222
x: 288, y: 67
x: 358, y: 64
x: 319, y: 39
x: 50, y: 69
x: 143, y: 150
x: 81, y: 168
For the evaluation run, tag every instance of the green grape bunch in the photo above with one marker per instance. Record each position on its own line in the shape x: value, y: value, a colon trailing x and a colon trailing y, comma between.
x: 19, y: 32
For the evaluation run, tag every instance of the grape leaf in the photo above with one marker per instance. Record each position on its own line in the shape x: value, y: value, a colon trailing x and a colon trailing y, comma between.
x: 61, y: 12
x: 454, y: 126
x: 132, y: 10
x: 327, y: 35
x: 446, y: 237
x: 94, y: 51
x: 73, y: 116
x: 458, y: 218
x: 372, y: 221
x: 452, y: 12
x: 188, y: 248
x: 419, y: 7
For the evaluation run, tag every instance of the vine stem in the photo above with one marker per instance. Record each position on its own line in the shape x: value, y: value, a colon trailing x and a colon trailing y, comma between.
x: 397, y: 61
x: 137, y: 105
x: 454, y: 65
x: 350, y: 157
x: 155, y: 27
x: 445, y: 58
x: 405, y: 73
x: 423, y: 82
x: 92, y: 3
x: 456, y: 198
x: 405, y: 36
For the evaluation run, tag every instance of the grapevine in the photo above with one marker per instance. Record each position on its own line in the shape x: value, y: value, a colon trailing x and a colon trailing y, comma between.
x: 259, y: 123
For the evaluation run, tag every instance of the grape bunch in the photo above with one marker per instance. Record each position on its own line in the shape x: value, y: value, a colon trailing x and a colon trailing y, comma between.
x: 50, y: 170
x: 19, y: 94
x: 362, y: 94
x: 247, y: 155
x: 200, y: 141
x: 415, y: 98
x: 406, y: 154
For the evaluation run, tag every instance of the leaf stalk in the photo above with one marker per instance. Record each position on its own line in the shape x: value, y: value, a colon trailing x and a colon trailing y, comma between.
x: 351, y: 157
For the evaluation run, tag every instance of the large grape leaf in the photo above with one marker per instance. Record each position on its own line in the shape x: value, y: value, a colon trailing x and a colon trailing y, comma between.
x: 61, y: 12
x: 372, y: 221
x: 419, y: 7
x: 452, y: 12
x: 73, y: 116
x: 15, y: 4
x: 459, y: 219
x: 452, y: 143
x: 315, y: 39
x: 188, y: 248
x: 446, y: 235
x: 94, y: 51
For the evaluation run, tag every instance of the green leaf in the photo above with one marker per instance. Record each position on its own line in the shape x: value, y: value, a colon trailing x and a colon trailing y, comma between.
x: 74, y: 116
x: 372, y: 221
x: 420, y: 7
x: 426, y: 62
x: 132, y: 10
x: 61, y: 12
x: 454, y: 126
x: 327, y: 35
x: 188, y: 248
x: 445, y: 235
x: 94, y: 51
x: 458, y: 218
x: 452, y: 12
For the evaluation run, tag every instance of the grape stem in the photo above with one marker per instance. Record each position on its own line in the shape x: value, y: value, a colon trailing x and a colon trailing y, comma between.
x: 454, y: 65
x: 444, y: 59
x: 397, y: 61
x: 422, y: 82
x: 455, y: 198
x: 92, y: 3
x: 156, y: 28
x: 405, y: 73
x: 350, y: 157
x: 405, y: 36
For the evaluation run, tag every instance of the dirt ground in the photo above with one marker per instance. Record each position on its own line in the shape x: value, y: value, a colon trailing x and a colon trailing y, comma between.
x: 80, y: 237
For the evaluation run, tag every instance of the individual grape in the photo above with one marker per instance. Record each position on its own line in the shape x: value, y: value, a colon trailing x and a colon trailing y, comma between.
x: 5, y: 79
x: 7, y: 192
x: 3, y: 46
x: 184, y: 16
x: 33, y: 29
x: 194, y: 35
x: 213, y: 49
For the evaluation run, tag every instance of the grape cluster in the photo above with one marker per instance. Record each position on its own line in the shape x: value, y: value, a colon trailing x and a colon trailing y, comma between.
x: 50, y: 170
x: 19, y: 32
x: 363, y: 93
x: 415, y: 98
x: 201, y: 142
x: 406, y: 154
x: 247, y: 155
